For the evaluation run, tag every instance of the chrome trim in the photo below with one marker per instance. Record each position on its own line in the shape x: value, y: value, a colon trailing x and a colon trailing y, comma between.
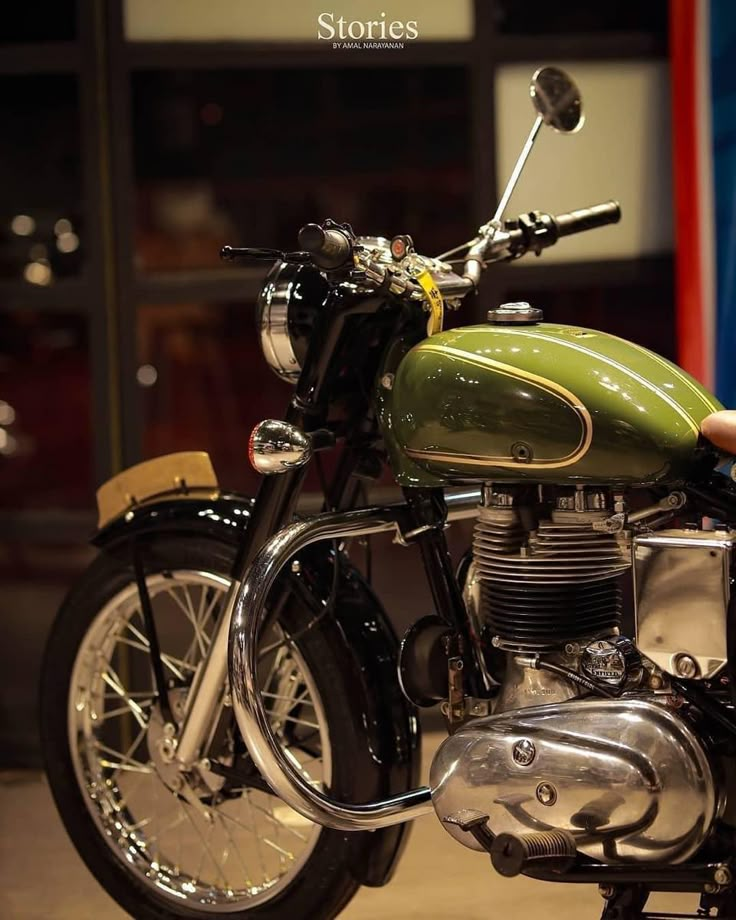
x: 632, y: 779
x: 206, y: 695
x: 264, y: 748
x: 462, y: 505
x: 682, y: 592
x: 273, y: 329
x: 277, y: 447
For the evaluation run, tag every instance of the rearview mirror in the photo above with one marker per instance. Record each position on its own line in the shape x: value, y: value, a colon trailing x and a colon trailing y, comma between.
x: 557, y: 99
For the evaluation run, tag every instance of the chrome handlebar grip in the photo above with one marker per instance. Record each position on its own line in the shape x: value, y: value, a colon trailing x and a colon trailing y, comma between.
x: 278, y: 771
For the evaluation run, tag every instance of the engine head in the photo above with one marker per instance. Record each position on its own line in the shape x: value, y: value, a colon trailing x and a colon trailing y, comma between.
x: 547, y: 575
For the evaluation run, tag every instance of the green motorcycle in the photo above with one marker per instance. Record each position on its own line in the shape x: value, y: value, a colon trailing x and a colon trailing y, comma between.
x: 229, y: 719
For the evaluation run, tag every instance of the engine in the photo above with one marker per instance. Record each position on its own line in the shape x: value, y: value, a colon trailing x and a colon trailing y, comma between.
x: 547, y: 575
x: 545, y: 583
x: 621, y: 774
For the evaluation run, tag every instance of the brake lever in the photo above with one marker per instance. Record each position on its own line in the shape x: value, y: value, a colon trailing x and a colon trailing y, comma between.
x: 257, y: 254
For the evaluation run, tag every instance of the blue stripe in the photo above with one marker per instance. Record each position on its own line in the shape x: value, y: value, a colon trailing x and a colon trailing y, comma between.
x: 723, y: 100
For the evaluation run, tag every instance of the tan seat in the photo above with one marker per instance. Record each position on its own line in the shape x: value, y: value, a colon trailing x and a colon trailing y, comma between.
x: 720, y: 428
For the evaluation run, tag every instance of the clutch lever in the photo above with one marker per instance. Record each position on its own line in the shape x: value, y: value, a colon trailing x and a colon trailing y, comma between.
x: 258, y: 254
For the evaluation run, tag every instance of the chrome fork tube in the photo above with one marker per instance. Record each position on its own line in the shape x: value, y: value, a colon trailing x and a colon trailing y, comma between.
x: 278, y: 771
x: 273, y: 507
x: 205, y: 696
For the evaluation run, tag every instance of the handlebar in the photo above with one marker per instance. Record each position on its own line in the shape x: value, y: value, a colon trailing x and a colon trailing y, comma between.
x: 536, y: 231
x: 533, y: 232
x: 588, y: 218
x: 331, y: 247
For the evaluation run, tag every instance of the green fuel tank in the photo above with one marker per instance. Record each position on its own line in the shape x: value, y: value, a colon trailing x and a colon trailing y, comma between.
x: 540, y: 403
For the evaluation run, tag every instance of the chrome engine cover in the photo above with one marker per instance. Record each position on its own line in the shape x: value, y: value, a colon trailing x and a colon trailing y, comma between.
x: 628, y: 778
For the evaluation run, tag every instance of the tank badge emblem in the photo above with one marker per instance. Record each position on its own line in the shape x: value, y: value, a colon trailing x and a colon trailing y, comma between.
x: 524, y: 752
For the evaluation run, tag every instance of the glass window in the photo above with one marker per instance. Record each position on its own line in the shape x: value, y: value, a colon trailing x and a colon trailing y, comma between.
x: 41, y: 226
x: 27, y: 22
x: 247, y: 157
x: 45, y: 430
x: 539, y: 17
x: 622, y: 152
x: 204, y: 384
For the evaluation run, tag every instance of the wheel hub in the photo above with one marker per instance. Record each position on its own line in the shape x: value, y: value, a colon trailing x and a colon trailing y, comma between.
x: 162, y: 743
x: 161, y: 737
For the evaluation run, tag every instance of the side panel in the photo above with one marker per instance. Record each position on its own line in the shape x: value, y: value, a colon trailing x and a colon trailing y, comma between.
x: 542, y: 403
x: 368, y: 652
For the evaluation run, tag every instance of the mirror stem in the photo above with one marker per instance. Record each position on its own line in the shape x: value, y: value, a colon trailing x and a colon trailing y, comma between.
x: 514, y: 178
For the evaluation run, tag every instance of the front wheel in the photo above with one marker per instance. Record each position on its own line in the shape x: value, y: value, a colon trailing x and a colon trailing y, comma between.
x: 233, y: 848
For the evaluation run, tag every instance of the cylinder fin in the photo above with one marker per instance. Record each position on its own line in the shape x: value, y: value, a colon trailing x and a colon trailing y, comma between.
x: 549, y: 585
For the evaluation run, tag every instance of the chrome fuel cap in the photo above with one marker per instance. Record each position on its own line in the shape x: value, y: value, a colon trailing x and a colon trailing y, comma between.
x: 518, y: 312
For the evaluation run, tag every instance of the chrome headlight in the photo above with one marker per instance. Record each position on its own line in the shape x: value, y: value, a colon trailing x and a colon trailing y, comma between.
x: 286, y: 309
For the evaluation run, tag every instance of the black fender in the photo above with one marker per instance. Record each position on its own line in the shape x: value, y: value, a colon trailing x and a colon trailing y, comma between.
x: 369, y: 652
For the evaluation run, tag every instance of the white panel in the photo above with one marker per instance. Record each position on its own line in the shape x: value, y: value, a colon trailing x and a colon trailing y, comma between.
x: 623, y: 152
x: 288, y: 20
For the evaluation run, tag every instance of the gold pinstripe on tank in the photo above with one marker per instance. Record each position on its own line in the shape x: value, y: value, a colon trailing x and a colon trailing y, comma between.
x: 555, y: 389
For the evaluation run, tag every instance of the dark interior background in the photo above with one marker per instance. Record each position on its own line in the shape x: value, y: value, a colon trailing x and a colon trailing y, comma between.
x: 125, y: 166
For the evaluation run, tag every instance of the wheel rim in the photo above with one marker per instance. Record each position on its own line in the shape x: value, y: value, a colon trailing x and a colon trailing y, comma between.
x: 232, y: 849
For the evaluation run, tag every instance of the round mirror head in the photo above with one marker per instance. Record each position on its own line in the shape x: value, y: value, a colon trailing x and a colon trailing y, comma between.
x: 557, y: 99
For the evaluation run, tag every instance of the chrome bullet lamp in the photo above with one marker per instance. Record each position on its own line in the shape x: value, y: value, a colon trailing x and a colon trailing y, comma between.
x: 277, y: 447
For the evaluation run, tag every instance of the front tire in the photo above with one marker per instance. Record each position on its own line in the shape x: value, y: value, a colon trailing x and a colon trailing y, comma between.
x: 234, y: 852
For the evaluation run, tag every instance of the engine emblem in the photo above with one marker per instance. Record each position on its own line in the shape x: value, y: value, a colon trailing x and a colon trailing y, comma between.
x: 611, y: 661
x: 524, y: 752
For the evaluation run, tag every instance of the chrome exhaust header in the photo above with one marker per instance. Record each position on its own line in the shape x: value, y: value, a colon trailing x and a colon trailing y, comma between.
x: 278, y: 771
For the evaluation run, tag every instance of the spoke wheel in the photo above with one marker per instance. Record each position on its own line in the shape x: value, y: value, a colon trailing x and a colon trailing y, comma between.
x: 217, y: 842
x: 232, y: 846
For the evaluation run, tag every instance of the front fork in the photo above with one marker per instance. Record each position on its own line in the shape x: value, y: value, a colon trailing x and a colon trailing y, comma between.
x: 272, y: 510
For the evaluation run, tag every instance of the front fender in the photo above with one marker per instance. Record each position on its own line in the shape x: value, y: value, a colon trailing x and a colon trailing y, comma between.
x: 223, y: 517
x: 368, y: 650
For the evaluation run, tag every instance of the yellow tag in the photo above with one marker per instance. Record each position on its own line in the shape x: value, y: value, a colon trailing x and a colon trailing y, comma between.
x: 434, y: 299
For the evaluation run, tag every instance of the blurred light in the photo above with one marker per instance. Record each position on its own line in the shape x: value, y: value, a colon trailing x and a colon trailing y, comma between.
x: 37, y: 251
x: 147, y: 375
x: 37, y: 273
x: 8, y: 444
x: 7, y: 413
x: 62, y: 226
x: 22, y: 225
x: 211, y: 114
x: 67, y: 242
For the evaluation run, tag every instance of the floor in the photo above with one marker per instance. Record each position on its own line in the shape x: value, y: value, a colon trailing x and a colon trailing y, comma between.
x: 42, y: 878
